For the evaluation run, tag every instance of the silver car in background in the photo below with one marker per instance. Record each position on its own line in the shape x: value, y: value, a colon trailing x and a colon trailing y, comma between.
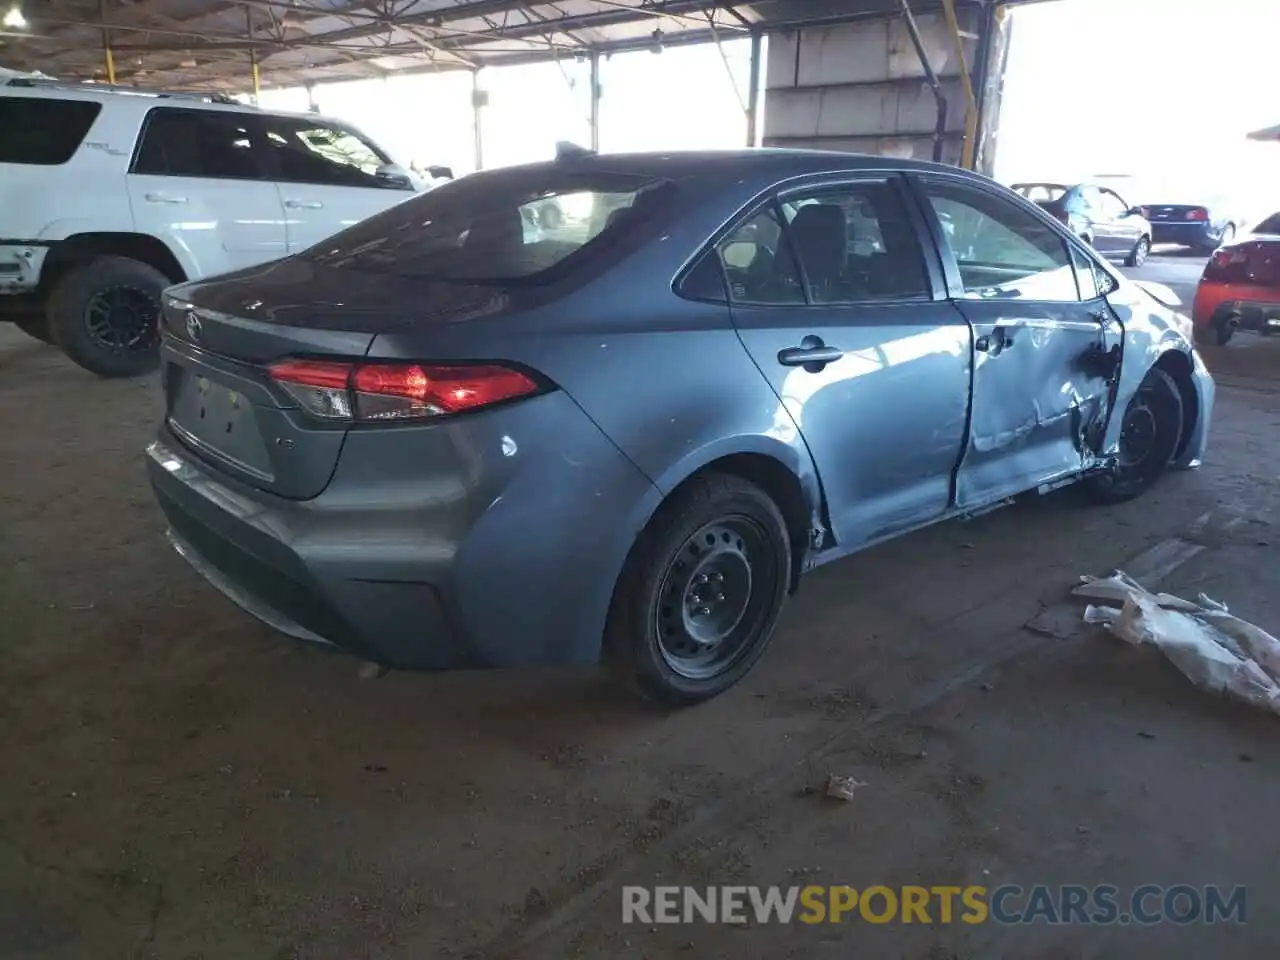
x: 439, y: 439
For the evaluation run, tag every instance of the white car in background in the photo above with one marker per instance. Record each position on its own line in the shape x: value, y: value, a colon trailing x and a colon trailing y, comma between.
x: 109, y: 195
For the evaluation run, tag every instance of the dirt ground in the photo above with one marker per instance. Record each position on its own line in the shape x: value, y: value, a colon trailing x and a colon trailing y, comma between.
x: 179, y: 782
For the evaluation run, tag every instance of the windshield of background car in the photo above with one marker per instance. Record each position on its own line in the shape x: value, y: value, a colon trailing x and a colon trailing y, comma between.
x: 485, y: 229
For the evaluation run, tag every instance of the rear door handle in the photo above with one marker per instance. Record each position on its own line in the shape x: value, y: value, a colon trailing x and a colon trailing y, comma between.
x: 304, y: 204
x: 163, y: 198
x: 812, y: 354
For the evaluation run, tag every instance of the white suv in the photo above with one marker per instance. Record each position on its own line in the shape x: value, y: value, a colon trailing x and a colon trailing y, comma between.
x: 107, y: 196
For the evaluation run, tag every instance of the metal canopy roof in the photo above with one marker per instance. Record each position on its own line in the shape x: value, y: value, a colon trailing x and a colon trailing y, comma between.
x: 211, y: 44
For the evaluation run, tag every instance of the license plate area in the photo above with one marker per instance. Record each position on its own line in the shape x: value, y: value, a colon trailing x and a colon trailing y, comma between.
x: 217, y: 420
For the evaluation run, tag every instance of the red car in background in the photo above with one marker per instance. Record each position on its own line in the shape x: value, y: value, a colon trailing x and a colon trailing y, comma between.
x: 1240, y: 287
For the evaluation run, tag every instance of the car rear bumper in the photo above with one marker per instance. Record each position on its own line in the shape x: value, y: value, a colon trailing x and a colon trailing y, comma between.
x: 1249, y: 307
x: 1195, y: 234
x: 268, y: 558
x: 488, y: 559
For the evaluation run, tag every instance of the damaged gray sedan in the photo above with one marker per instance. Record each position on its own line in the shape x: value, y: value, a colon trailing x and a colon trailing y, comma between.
x: 439, y: 439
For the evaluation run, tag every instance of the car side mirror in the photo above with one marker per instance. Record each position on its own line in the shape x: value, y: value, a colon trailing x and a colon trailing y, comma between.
x: 395, y: 177
x: 1133, y: 212
x: 440, y: 173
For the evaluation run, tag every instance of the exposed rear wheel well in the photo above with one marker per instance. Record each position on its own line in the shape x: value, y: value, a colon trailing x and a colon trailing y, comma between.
x: 83, y: 247
x: 783, y: 487
x: 1178, y: 366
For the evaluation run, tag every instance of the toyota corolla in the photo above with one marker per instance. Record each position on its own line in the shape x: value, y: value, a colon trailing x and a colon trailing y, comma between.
x: 443, y: 438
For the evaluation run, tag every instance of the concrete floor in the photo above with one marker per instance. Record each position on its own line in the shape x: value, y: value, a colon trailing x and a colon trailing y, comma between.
x: 180, y: 782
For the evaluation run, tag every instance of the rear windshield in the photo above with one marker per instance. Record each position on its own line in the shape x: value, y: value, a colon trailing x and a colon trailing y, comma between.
x: 1041, y: 192
x: 487, y: 229
x: 1271, y: 225
x: 44, y: 132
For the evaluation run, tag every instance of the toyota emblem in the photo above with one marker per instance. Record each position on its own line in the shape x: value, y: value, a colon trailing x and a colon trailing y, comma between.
x: 193, y: 325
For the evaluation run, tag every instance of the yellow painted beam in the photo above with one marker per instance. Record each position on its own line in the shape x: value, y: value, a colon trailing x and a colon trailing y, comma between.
x: 970, y: 101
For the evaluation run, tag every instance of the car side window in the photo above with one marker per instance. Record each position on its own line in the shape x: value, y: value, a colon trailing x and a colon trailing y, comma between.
x: 758, y: 262
x: 1113, y: 205
x: 856, y: 243
x: 1002, y: 251
x: 306, y: 151
x: 200, y: 143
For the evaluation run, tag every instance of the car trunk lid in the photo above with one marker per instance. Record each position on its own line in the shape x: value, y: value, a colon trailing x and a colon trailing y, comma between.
x: 1253, y: 262
x: 222, y: 336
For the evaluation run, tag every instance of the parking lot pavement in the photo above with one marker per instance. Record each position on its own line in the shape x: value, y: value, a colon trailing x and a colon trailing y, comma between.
x: 182, y: 782
x: 1176, y: 268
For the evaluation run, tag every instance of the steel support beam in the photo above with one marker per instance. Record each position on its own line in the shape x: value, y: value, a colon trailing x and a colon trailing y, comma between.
x: 107, y: 56
x: 477, y: 113
x: 753, y: 90
x: 595, y: 101
x: 966, y: 81
x: 935, y: 85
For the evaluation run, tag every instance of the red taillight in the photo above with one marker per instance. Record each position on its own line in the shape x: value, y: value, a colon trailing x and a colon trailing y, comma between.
x: 313, y: 373
x: 1229, y: 265
x: 1197, y: 213
x: 397, y: 391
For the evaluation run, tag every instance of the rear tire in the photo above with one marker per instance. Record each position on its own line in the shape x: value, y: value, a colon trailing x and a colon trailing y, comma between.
x: 1138, y: 255
x: 1151, y: 432
x: 701, y: 591
x: 105, y: 316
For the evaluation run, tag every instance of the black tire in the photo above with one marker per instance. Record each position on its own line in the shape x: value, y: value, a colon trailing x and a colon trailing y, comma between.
x: 1216, y: 333
x: 721, y: 533
x: 1151, y: 433
x: 34, y: 325
x: 105, y: 316
x: 1138, y: 255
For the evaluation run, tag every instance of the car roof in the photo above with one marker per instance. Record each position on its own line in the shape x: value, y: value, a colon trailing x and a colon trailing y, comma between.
x: 760, y: 166
x: 41, y: 87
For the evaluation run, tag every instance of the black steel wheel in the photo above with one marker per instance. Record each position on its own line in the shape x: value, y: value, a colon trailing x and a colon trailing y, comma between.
x: 702, y: 590
x: 1149, y: 437
x: 707, y: 607
x: 105, y: 315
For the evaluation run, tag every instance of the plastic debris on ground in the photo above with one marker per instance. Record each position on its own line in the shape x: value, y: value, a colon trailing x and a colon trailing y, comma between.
x: 842, y: 788
x: 1218, y: 652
